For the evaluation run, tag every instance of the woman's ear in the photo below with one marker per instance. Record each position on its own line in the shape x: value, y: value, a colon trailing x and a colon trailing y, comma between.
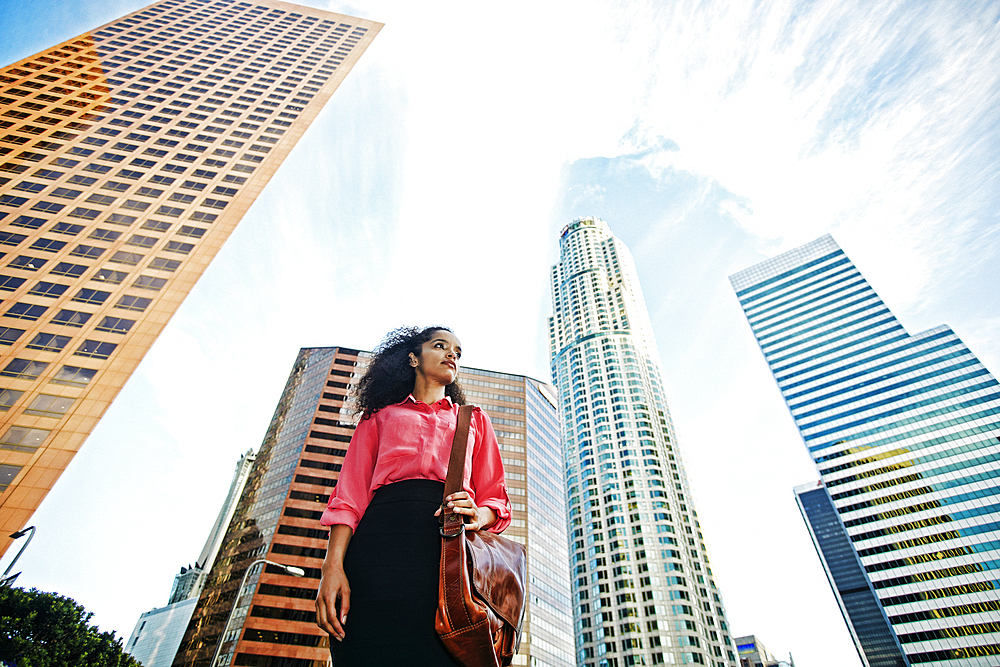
x: 413, y: 360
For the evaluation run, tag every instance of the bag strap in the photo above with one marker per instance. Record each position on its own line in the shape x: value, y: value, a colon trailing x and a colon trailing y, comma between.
x: 456, y: 465
x: 453, y: 524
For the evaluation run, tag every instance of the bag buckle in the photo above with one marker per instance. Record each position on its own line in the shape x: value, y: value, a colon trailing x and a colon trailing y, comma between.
x: 447, y: 524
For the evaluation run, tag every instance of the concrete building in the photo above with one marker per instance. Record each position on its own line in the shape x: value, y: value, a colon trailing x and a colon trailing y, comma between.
x: 298, y: 464
x: 128, y: 155
x: 643, y: 588
x: 158, y: 632
x: 191, y: 579
x: 903, y: 430
x: 753, y: 654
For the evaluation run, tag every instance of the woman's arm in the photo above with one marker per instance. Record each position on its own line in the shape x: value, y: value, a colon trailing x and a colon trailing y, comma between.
x: 487, y: 475
x: 334, y: 598
x: 347, y: 504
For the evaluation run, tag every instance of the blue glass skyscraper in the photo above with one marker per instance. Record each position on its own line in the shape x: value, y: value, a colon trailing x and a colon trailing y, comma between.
x: 905, y: 433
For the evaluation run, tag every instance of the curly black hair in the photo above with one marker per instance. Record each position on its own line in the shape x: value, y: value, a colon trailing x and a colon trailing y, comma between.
x: 389, y: 378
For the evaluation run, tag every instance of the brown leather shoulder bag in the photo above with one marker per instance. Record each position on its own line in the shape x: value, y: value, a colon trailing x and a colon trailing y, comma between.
x: 481, y: 589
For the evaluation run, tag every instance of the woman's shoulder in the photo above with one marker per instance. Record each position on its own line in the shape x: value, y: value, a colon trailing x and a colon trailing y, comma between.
x: 480, y: 416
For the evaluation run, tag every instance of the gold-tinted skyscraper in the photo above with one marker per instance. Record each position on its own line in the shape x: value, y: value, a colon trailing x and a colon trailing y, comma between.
x: 127, y: 157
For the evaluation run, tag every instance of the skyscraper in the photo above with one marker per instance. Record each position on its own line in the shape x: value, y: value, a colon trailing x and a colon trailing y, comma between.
x: 643, y: 589
x: 128, y: 155
x: 158, y: 632
x: 873, y: 636
x: 753, y: 654
x: 904, y: 432
x: 191, y: 580
x: 298, y: 464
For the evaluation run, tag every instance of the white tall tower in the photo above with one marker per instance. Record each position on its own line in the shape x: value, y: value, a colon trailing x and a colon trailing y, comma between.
x: 642, y: 585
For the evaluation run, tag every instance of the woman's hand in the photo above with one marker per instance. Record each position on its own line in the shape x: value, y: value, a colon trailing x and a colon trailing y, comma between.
x: 334, y: 598
x: 478, y: 518
x: 333, y: 602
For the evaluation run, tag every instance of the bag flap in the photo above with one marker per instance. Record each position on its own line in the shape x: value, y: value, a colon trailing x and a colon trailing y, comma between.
x: 499, y: 568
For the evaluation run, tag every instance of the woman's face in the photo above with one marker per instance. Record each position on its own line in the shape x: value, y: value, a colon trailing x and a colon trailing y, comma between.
x: 439, y: 357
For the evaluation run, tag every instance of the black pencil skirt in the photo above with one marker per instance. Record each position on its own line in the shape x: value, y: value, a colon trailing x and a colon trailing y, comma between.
x: 392, y: 568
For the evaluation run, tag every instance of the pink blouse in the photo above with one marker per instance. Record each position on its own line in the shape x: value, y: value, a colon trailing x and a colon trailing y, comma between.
x: 412, y: 440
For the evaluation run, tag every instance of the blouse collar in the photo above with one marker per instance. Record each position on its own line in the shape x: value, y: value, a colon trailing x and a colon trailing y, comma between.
x: 445, y: 402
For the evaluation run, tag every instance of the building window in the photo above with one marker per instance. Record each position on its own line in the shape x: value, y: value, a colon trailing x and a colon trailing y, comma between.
x: 113, y: 277
x: 66, y: 228
x: 51, y: 290
x: 48, y: 342
x: 46, y: 405
x: 25, y: 311
x: 71, y: 318
x: 161, y: 263
x: 73, y: 376
x: 96, y: 349
x: 26, y: 263
x: 48, y: 245
x: 22, y: 439
x: 91, y: 296
x: 178, y: 247
x: 115, y: 325
x: 9, y: 335
x: 127, y: 258
x: 87, y: 251
x: 24, y: 369
x: 104, y: 235
x: 129, y: 302
x: 8, y: 397
x: 149, y: 282
x: 67, y: 269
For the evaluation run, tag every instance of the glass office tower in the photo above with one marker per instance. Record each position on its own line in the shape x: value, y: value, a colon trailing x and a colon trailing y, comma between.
x: 128, y: 155
x: 904, y: 432
x: 642, y: 584
x: 273, y: 618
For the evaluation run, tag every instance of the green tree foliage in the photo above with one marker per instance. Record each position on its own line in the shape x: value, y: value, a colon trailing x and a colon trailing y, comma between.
x: 48, y: 630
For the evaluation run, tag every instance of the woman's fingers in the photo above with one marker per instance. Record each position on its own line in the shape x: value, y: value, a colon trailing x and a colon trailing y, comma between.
x: 332, y: 604
x: 462, y: 503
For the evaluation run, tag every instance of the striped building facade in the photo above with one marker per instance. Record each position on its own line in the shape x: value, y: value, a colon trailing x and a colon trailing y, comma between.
x: 905, y: 433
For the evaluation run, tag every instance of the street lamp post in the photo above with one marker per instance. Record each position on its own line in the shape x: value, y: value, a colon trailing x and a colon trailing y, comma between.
x: 4, y: 579
x: 290, y: 569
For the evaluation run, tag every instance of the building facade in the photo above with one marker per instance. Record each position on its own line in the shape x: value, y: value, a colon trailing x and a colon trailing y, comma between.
x: 903, y: 430
x: 158, y: 632
x: 189, y: 582
x: 643, y: 589
x: 753, y: 654
x: 296, y: 468
x: 128, y: 155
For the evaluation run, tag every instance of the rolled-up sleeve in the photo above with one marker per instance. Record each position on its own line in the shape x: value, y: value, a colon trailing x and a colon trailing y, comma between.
x: 487, y: 479
x: 353, y: 492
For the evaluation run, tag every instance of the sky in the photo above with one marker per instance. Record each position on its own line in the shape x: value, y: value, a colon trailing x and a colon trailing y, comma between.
x: 710, y: 135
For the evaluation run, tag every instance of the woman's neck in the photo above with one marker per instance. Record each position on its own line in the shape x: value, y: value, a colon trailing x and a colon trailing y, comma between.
x: 428, y: 392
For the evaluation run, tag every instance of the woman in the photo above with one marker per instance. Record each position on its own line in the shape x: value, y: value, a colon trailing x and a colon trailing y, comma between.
x: 382, y: 563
